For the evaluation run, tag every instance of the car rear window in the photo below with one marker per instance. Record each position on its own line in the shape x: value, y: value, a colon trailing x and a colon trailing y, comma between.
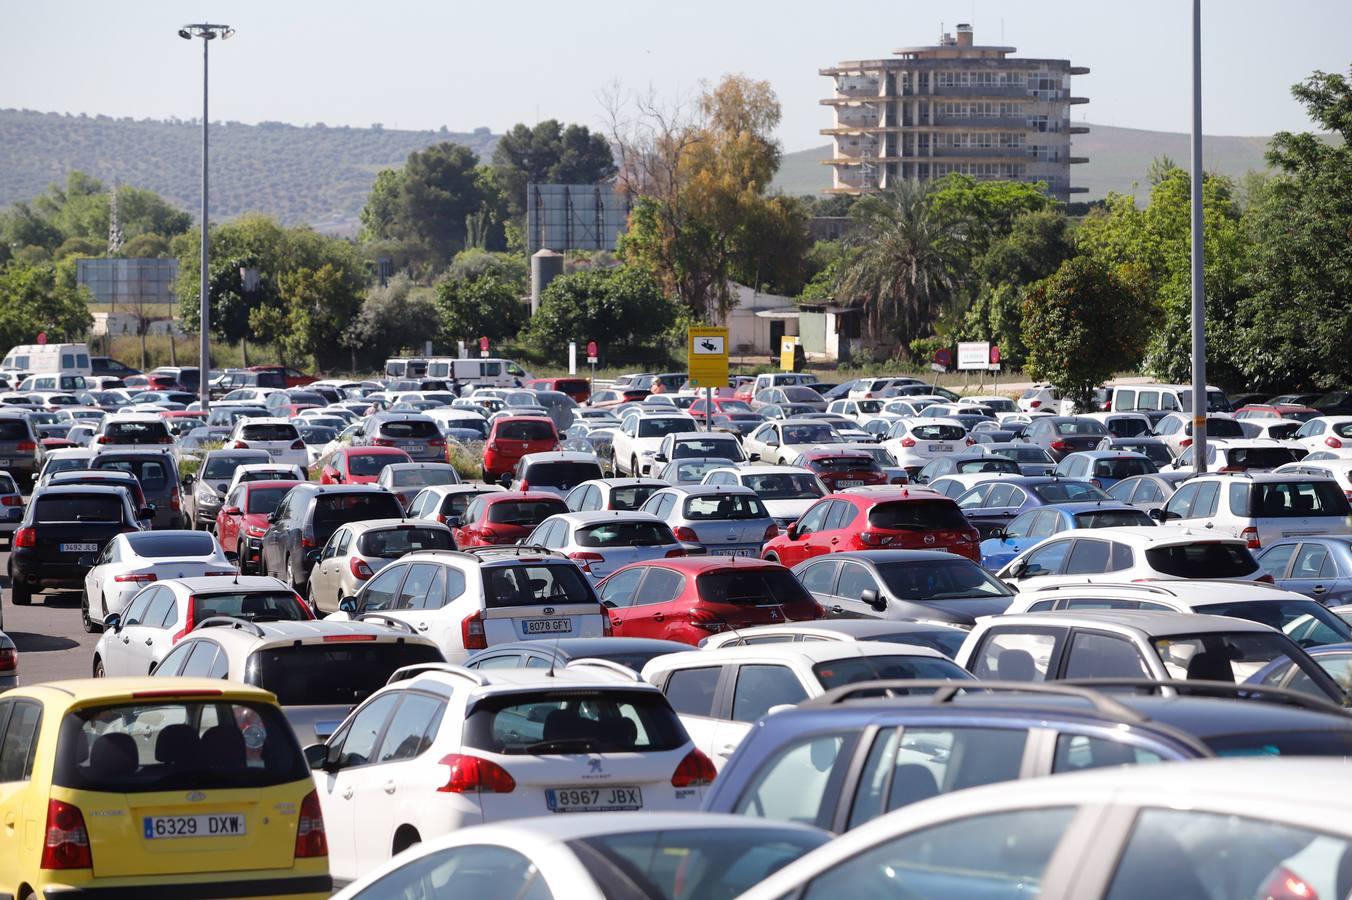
x: 524, y: 512
x: 11, y: 430
x: 537, y: 584
x: 1067, y: 492
x: 753, y: 587
x: 1124, y: 467
x: 411, y: 428
x: 372, y: 463
x: 839, y: 672
x: 269, y: 431
x: 316, y: 434
x: 631, y: 498
x: 390, y: 543
x: 1125, y: 427
x: 1283, y: 742
x: 1290, y: 499
x: 625, y: 534
x: 333, y: 510
x: 78, y: 508
x: 917, y: 515
x: 136, y: 432
x: 989, y: 464
x: 160, y: 544
x: 1081, y: 426
x: 846, y: 464
x: 1241, y: 458
x: 423, y: 477
x: 153, y: 474
x: 278, y: 605
x: 1221, y: 428
x: 955, y: 579
x: 339, y: 673
x: 265, y: 500
x: 1203, y: 559
x: 564, y: 475
x: 938, y: 432
x: 717, y: 507
x: 577, y: 720
x: 1112, y: 518
x: 177, y: 745
x: 525, y: 431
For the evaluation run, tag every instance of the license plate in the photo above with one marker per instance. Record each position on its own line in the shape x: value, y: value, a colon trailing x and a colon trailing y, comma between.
x: 79, y: 548
x: 5, y: 463
x: 849, y: 483
x: 732, y: 553
x: 216, y: 825
x: 547, y: 626
x: 605, y: 799
x: 415, y: 448
x: 940, y: 448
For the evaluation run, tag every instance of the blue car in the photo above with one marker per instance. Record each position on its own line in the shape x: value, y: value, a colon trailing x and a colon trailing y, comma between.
x: 1336, y: 659
x: 1038, y: 524
x: 996, y: 503
x: 1318, y: 567
x: 1104, y: 468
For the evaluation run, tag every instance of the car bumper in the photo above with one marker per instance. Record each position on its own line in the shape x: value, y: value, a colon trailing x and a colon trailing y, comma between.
x: 215, y: 886
x: 251, y: 552
x: 42, y: 574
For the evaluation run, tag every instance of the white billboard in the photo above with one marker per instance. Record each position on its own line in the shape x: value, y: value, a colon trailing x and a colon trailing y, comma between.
x: 974, y: 355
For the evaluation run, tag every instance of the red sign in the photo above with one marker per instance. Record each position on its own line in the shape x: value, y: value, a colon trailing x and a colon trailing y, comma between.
x: 995, y: 355
x: 591, y: 349
x: 483, y: 344
x: 944, y: 357
x: 42, y: 337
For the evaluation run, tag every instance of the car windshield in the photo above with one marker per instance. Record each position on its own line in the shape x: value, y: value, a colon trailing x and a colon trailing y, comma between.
x: 987, y: 464
x: 783, y: 486
x: 917, y: 515
x: 1122, y: 467
x: 524, y: 512
x: 810, y: 434
x: 662, y: 427
x: 1080, y: 426
x: 573, y: 721
x: 713, y: 863
x: 222, y: 468
x: 698, y: 447
x: 947, y: 641
x: 264, y: 500
x: 1203, y: 559
x: 1112, y: 518
x: 332, y: 674
x: 423, y: 477
x: 941, y: 579
x: 851, y: 670
x: 563, y: 475
x: 78, y: 508
x: 153, y: 544
x: 1306, y: 622
x: 536, y: 584
x: 270, y: 431
x: 391, y: 543
x: 713, y: 507
x: 624, y: 534
x: 177, y: 745
x: 753, y: 587
x: 314, y: 435
x: 1067, y: 492
x: 1231, y: 657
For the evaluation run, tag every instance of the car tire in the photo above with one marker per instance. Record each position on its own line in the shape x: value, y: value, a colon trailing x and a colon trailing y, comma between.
x: 772, y: 557
x: 633, y: 467
x: 98, y: 668
x: 19, y: 594
x: 90, y: 626
x: 310, y: 599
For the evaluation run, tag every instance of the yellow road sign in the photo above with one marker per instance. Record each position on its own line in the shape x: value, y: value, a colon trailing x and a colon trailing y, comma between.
x: 707, y: 349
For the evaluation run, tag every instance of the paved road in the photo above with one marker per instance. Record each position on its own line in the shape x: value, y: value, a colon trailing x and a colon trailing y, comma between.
x: 48, y: 635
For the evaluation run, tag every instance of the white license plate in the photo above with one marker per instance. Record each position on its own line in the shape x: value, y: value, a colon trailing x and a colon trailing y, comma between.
x: 79, y: 548
x: 732, y: 553
x: 414, y: 448
x: 940, y: 448
x: 5, y: 463
x: 547, y: 626
x: 849, y: 483
x: 212, y: 825
x: 603, y: 799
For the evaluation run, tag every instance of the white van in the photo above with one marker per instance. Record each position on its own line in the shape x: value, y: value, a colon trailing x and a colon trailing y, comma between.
x: 1165, y: 397
x: 62, y: 382
x: 487, y: 372
x: 404, y: 367
x: 44, y: 359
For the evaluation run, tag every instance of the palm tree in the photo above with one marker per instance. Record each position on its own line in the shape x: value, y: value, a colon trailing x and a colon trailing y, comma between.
x: 901, y: 261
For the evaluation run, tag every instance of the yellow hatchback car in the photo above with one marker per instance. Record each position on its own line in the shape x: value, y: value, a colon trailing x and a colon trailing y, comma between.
x: 155, y: 787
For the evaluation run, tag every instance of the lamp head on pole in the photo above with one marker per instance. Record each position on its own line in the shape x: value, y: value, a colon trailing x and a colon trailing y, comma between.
x: 206, y: 31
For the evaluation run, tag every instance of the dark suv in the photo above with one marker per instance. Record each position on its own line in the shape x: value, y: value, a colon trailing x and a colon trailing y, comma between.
x: 308, y: 516
x: 18, y: 447
x: 62, y: 531
x: 158, y: 474
x: 1063, y: 435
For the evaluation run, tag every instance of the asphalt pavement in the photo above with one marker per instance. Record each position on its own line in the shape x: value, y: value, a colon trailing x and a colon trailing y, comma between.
x: 51, y: 643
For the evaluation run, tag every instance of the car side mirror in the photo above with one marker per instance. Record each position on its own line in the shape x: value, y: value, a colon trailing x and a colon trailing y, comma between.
x: 312, y: 556
x: 997, y: 533
x: 233, y: 511
x: 1018, y: 567
x: 772, y: 442
x: 875, y: 602
x: 661, y: 457
x: 1158, y: 514
x: 454, y: 522
x: 272, y: 518
x: 189, y: 479
x: 113, y: 621
x: 792, y: 531
x: 316, y: 755
x: 348, y: 605
x: 779, y: 708
x: 146, y: 512
x: 610, y: 604
x: 753, y: 457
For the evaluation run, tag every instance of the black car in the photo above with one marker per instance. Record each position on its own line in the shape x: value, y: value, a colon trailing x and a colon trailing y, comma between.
x: 1334, y: 403
x: 633, y: 653
x: 158, y: 473
x: 18, y: 447
x: 308, y: 516
x: 1063, y: 435
x: 115, y: 368
x: 62, y: 531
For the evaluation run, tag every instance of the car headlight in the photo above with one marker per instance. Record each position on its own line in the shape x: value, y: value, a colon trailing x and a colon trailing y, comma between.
x: 254, y: 531
x: 647, y: 453
x: 206, y: 494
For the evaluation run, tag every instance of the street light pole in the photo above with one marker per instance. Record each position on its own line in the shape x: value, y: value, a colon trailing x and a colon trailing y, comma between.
x: 207, y: 32
x: 1199, y: 396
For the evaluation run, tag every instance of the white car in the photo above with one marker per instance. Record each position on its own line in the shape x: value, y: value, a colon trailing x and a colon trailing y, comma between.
x: 132, y: 560
x: 154, y: 620
x: 612, y: 493
x: 860, y: 410
x: 786, y: 491
x: 1260, y: 508
x: 442, y: 747
x: 996, y: 403
x: 1129, y: 553
x: 446, y: 503
x: 914, y: 442
x: 557, y: 856
x: 1175, y: 429
x: 1039, y: 397
x: 277, y: 436
x: 720, y: 693
x: 1266, y: 827
x: 699, y: 444
x: 634, y: 444
x: 265, y: 472
x: 1325, y: 433
x: 1340, y: 470
x: 778, y: 442
x: 1242, y: 455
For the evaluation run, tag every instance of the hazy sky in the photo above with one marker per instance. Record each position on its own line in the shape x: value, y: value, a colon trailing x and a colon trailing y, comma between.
x: 424, y: 64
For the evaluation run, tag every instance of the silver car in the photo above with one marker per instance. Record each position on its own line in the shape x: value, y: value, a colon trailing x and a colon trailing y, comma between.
x: 358, y: 550
x: 406, y: 480
x: 602, y: 541
x: 727, y: 520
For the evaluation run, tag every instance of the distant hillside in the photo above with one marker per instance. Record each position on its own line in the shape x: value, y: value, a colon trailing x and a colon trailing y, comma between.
x: 1118, y: 157
x: 316, y: 175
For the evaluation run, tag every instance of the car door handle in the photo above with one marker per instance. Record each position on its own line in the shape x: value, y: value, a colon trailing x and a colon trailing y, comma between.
x: 1208, y: 525
x: 658, y: 617
x: 347, y: 794
x: 835, y: 540
x: 11, y: 819
x: 616, y: 620
x: 126, y: 640
x: 837, y: 609
x: 389, y: 787
x: 422, y: 626
x: 150, y: 641
x: 727, y: 749
x: 1318, y: 589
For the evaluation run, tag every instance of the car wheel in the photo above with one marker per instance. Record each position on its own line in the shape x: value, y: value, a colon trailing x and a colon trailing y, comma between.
x: 772, y: 557
x: 310, y: 598
x: 90, y: 626
x: 98, y: 668
x: 19, y: 594
x: 633, y: 466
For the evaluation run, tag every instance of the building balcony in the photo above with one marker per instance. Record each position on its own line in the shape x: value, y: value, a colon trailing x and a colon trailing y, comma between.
x: 1078, y: 101
x: 842, y: 100
x: 847, y: 129
x: 1078, y: 129
x: 982, y: 153
x: 1077, y: 190
x: 1077, y: 160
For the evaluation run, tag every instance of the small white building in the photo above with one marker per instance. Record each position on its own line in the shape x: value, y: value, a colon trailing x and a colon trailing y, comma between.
x: 119, y: 324
x: 757, y: 321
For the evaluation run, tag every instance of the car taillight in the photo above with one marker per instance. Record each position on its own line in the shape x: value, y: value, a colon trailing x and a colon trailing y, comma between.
x: 1266, y: 578
x: 165, y: 439
x: 1034, y: 404
x: 11, y: 500
x: 684, y: 533
x: 1250, y: 534
x: 1060, y: 445
x: 382, y: 442
x: 970, y: 442
x: 491, y: 446
x: 66, y: 842
x: 771, y: 532
x: 174, y: 501
x: 307, y: 541
x: 440, y: 518
x: 472, y: 632
x: 297, y: 445
x: 28, y: 446
x: 9, y: 659
x: 311, y: 840
x: 584, y: 559
x: 25, y: 537
x: 360, y: 569
x: 875, y: 539
x: 474, y: 775
x: 679, y: 551
x: 437, y: 442
x: 488, y: 534
x: 135, y: 578
x: 102, y: 439
x: 240, y: 445
x: 524, y: 485
x: 908, y: 441
x: 703, y: 618
x: 1186, y: 442
x: 1333, y: 442
x: 189, y: 619
x: 696, y: 770
x: 1095, y: 482
x: 1287, y: 885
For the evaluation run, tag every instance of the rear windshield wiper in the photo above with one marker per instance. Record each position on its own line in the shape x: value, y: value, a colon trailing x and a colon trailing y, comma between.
x: 582, y: 744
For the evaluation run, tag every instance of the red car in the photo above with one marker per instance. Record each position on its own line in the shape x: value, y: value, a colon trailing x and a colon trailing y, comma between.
x: 577, y: 388
x: 504, y: 517
x: 688, y: 598
x: 876, y: 518
x: 360, y: 465
x: 294, y: 378
x: 840, y: 469
x: 1279, y: 411
x: 240, y: 528
x: 152, y: 382
x: 727, y: 404
x: 512, y: 437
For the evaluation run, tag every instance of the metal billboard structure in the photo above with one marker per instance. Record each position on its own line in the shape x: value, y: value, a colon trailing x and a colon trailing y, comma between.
x: 128, y: 282
x: 564, y: 217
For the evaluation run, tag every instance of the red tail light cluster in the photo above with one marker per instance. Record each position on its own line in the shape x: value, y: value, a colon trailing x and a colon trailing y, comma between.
x: 135, y: 578
x: 360, y: 569
x: 1060, y: 445
x: 706, y: 619
x: 696, y: 770
x: 875, y: 539
x: 66, y: 842
x: 297, y: 445
x: 11, y: 500
x: 311, y: 839
x: 25, y: 537
x: 240, y: 445
x: 685, y: 533
x: 472, y: 632
x: 189, y: 619
x: 9, y: 660
x: 30, y: 446
x: 1250, y: 534
x: 584, y: 559
x: 678, y: 551
x: 771, y: 532
x: 1330, y: 440
x: 908, y: 441
x: 474, y: 775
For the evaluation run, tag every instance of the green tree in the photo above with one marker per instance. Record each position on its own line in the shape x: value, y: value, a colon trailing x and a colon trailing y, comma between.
x: 482, y: 307
x: 317, y: 305
x: 475, y: 263
x: 552, y: 153
x: 620, y: 307
x: 1082, y: 325
x: 395, y: 317
x: 33, y: 300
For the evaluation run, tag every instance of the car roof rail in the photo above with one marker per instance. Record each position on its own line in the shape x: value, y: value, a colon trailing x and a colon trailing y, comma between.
x: 231, y: 622
x: 607, y: 664
x: 513, y: 549
x: 944, y: 690
x: 383, y: 619
x: 406, y: 672
x: 1263, y: 692
x: 1110, y: 585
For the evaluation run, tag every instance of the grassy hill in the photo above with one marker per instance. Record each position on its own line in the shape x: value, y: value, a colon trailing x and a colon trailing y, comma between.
x: 1118, y: 160
x: 316, y: 175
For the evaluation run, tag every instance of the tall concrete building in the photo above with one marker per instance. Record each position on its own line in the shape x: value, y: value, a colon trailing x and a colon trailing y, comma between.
x: 953, y: 107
